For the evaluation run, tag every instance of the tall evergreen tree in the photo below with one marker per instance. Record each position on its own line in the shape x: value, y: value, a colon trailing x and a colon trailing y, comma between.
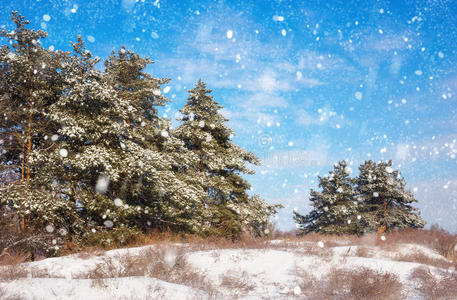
x: 333, y: 209
x: 386, y: 202
x: 170, y: 192
x: 111, y: 157
x: 228, y: 208
x: 31, y: 81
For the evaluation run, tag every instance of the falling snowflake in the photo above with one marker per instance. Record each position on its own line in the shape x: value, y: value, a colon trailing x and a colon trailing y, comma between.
x: 63, y: 152
x: 164, y: 133
x: 108, y: 223
x: 102, y: 184
x: 358, y: 95
x: 50, y: 228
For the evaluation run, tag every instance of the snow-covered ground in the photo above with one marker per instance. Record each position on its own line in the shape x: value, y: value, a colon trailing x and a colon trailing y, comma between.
x: 281, y: 270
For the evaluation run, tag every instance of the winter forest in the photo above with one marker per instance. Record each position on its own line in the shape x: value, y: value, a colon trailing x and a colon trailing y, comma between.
x: 175, y: 136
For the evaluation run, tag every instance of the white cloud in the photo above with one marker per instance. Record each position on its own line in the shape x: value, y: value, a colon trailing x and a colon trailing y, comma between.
x: 283, y: 159
x: 310, y: 82
x: 305, y: 119
x: 264, y: 100
x: 324, y: 116
x: 267, y: 82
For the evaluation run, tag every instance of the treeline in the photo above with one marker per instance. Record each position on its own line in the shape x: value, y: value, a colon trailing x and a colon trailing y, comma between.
x: 375, y: 200
x: 86, y: 157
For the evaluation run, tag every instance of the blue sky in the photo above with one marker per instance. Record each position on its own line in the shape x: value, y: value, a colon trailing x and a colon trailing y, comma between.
x: 304, y: 83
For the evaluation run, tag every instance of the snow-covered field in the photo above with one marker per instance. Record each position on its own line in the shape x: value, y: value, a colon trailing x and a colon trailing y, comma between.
x: 279, y: 270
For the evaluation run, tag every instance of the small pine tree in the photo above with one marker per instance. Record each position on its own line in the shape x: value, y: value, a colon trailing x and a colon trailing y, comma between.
x: 334, y: 210
x: 376, y: 200
x: 385, y: 202
x: 229, y: 209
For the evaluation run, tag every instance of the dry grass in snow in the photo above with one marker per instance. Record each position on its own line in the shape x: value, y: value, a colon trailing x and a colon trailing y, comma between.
x: 405, y: 265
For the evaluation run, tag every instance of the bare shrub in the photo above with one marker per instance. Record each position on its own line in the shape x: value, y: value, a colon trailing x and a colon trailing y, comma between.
x: 345, y: 284
x: 436, y: 238
x: 362, y: 251
x: 12, y: 272
x: 31, y: 242
x: 443, y: 286
x: 421, y: 258
x: 11, y: 268
x: 236, y: 283
x: 245, y: 241
x: 12, y: 259
x: 324, y: 253
x: 308, y: 283
x: 162, y: 262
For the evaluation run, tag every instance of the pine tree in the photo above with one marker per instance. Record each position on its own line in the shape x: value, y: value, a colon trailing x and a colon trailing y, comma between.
x: 170, y: 192
x: 385, y: 202
x: 31, y: 82
x: 229, y: 209
x: 114, y: 158
x: 333, y: 208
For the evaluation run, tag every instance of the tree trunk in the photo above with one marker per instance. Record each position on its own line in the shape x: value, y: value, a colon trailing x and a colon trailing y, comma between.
x: 23, y: 161
x: 29, y: 141
x: 383, y: 227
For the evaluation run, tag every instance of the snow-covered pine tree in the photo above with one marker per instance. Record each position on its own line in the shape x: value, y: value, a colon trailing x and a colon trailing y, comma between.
x: 88, y: 118
x: 229, y: 209
x: 170, y: 192
x: 333, y: 209
x: 385, y: 203
x: 30, y: 83
x: 106, y: 159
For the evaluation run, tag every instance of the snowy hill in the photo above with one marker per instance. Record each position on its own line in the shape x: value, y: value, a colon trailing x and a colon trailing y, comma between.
x: 275, y: 269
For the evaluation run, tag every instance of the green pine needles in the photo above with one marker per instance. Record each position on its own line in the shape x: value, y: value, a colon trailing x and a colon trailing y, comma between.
x: 376, y: 200
x: 85, y: 153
